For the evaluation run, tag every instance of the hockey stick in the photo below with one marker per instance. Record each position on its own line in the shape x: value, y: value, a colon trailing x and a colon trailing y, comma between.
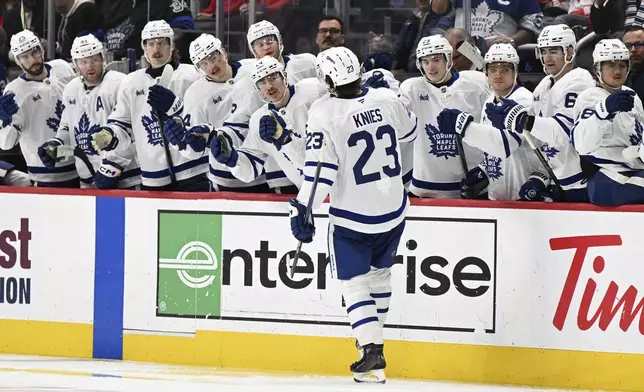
x: 472, y: 53
x: 66, y: 151
x: 544, y: 162
x: 461, y: 153
x: 164, y: 81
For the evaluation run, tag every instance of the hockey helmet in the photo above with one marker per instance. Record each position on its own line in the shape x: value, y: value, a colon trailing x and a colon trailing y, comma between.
x: 434, y: 44
x: 204, y: 46
x: 86, y: 46
x: 339, y: 64
x: 156, y: 29
x: 502, y: 53
x: 556, y: 36
x: 261, y: 29
x: 266, y: 66
x: 24, y: 41
x: 610, y: 50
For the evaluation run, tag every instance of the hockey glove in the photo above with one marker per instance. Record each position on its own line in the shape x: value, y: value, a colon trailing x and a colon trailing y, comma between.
x: 103, y: 139
x: 222, y: 149
x: 453, y: 121
x: 507, y: 115
x: 377, y: 80
x: 303, y: 231
x: 48, y: 152
x: 619, y: 101
x: 198, y: 137
x: 375, y: 61
x: 164, y: 100
x: 474, y: 185
x: 535, y: 188
x: 174, y: 132
x: 8, y: 107
x: 107, y: 175
x: 272, y: 129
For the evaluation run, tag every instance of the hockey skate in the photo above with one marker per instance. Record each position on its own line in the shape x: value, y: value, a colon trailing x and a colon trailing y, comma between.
x: 371, y: 366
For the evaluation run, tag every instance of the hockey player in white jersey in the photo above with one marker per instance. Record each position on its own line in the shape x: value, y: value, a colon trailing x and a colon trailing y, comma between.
x: 277, y: 129
x: 31, y: 108
x: 89, y: 99
x: 608, y: 130
x: 141, y: 109
x: 207, y: 103
x: 508, y: 161
x: 438, y: 170
x: 355, y: 136
x: 553, y: 118
x: 10, y: 176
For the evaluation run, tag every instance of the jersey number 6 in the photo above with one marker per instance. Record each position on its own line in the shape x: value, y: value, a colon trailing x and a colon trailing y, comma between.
x: 370, y: 147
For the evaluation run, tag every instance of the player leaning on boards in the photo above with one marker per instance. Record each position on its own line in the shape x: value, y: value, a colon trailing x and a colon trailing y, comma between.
x: 31, y: 108
x: 553, y: 113
x: 354, y: 136
x: 89, y: 99
x: 207, y: 103
x: 142, y: 105
x: 608, y: 131
x: 276, y: 130
x: 438, y: 169
x: 508, y: 162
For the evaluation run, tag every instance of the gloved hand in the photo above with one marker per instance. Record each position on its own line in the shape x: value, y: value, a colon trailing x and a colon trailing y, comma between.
x: 303, y: 231
x: 103, y: 139
x: 107, y: 175
x: 8, y: 107
x: 474, y: 185
x: 377, y: 80
x: 48, y: 152
x: 164, y: 100
x: 618, y: 101
x: 198, y: 137
x: 272, y: 129
x: 174, y: 132
x: 222, y: 149
x: 508, y: 114
x: 376, y: 60
x: 453, y: 121
x: 535, y: 188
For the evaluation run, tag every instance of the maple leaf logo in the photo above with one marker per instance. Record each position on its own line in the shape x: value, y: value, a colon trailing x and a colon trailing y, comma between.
x: 636, y: 138
x: 549, y: 151
x: 492, y: 166
x: 153, y: 129
x: 82, y: 135
x: 54, y: 122
x: 484, y: 20
x: 442, y: 144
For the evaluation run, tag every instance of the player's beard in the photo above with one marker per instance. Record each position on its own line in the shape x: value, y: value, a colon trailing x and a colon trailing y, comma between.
x: 36, y: 69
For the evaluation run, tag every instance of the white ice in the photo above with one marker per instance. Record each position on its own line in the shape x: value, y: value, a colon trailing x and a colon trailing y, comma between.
x: 31, y: 374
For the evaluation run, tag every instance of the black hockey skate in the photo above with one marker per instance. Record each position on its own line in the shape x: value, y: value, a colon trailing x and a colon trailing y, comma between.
x: 371, y: 367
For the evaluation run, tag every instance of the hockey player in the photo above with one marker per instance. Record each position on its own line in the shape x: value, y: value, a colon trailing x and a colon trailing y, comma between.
x: 355, y: 134
x: 277, y: 129
x: 554, y: 99
x: 10, y: 176
x: 438, y: 169
x: 608, y: 127
x: 89, y: 99
x: 508, y: 161
x: 143, y: 105
x: 31, y: 108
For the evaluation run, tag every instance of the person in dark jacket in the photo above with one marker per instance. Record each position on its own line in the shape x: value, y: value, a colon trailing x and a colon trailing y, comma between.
x: 80, y: 17
x: 634, y: 41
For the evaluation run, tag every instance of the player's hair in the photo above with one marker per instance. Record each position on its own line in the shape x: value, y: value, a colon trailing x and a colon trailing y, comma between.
x: 631, y: 28
x: 348, y: 90
x: 330, y: 17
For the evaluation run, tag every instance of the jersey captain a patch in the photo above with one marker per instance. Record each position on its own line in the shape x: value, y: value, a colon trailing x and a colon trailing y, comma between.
x: 441, y: 145
x: 152, y: 128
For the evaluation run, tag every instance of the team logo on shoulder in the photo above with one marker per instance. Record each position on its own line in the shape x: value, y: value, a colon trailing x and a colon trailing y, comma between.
x: 36, y: 98
x: 492, y: 166
x: 81, y: 134
x: 549, y: 151
x: 636, y: 138
x: 71, y: 101
x: 140, y: 92
x: 54, y: 122
x: 442, y: 145
x: 217, y: 100
x: 153, y: 129
x: 424, y: 97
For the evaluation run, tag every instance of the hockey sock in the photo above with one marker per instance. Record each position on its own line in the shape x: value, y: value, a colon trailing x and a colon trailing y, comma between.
x: 361, y: 309
x: 380, y: 286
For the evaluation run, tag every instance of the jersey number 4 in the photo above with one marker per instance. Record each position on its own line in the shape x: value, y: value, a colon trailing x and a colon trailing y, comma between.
x: 370, y: 147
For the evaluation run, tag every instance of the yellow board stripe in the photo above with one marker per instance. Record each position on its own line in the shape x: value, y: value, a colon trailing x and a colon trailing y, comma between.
x: 429, y: 361
x: 46, y: 338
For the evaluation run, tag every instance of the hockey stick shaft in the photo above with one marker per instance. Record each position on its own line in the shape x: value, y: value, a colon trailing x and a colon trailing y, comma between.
x: 542, y: 159
x: 461, y: 155
x: 80, y: 154
x: 166, y: 148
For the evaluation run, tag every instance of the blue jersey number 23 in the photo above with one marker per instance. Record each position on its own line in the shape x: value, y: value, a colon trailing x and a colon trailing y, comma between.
x: 370, y: 147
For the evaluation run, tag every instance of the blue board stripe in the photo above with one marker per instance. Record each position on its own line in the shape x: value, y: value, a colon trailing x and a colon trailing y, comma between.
x: 109, y: 277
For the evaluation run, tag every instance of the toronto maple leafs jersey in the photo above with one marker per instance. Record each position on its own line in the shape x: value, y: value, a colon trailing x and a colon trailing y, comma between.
x: 86, y: 109
x: 290, y: 158
x: 358, y: 142
x: 134, y: 121
x: 37, y: 121
x: 603, y: 141
x: 491, y: 17
x: 437, y: 170
x: 508, y: 159
x: 554, y: 103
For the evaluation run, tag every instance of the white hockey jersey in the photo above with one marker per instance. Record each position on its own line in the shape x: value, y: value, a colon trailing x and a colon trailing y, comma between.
x: 508, y: 159
x: 246, y: 100
x: 37, y: 121
x: 554, y: 104
x: 603, y: 141
x: 85, y: 110
x: 437, y: 166
x: 133, y: 120
x: 254, y: 151
x: 361, y: 160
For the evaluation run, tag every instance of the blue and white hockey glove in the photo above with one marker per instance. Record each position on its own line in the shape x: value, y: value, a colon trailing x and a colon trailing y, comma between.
x: 107, y: 175
x: 272, y: 129
x: 164, y: 100
x: 48, y: 152
x: 474, y: 185
x: 8, y: 107
x: 222, y: 149
x: 303, y: 231
x: 198, y: 137
x: 507, y: 115
x: 377, y: 80
x: 103, y: 139
x: 453, y: 121
x: 375, y: 61
x: 535, y: 189
x: 174, y: 132
x: 618, y: 101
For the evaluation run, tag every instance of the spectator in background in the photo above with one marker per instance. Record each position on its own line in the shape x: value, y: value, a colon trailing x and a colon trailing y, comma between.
x: 34, y: 19
x: 330, y: 33
x: 457, y: 36
x: 634, y: 41
x: 80, y: 17
x: 607, y: 16
x: 573, y: 13
x: 230, y: 6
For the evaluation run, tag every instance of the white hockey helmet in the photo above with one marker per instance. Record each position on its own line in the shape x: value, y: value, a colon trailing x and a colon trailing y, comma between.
x: 609, y: 50
x: 434, y: 44
x: 502, y: 53
x: 261, y: 29
x: 266, y: 66
x: 204, y: 46
x: 556, y: 36
x: 86, y: 46
x: 156, y: 29
x: 340, y: 65
x: 24, y: 41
